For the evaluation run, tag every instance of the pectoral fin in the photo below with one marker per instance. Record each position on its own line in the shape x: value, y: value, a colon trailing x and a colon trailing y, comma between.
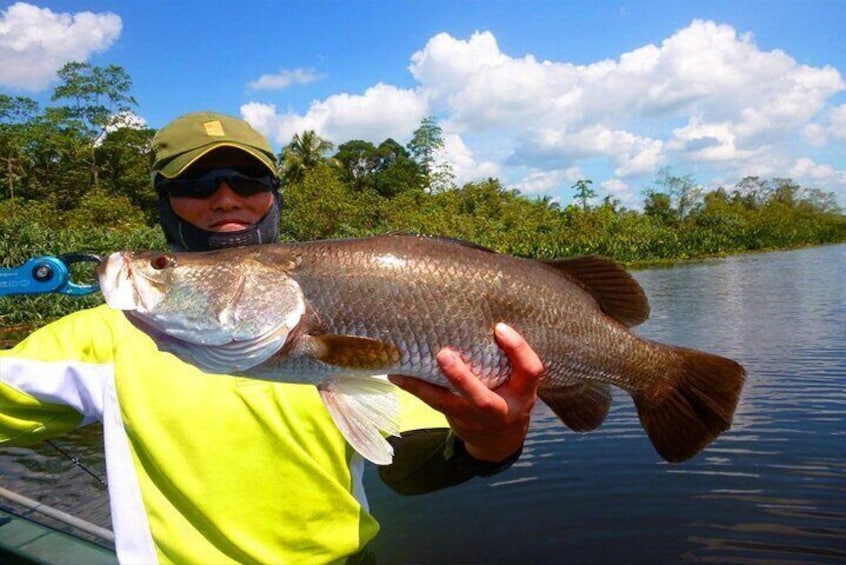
x: 353, y: 352
x: 363, y: 408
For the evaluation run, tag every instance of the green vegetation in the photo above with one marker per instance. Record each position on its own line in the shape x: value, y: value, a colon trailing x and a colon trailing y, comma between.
x: 75, y: 178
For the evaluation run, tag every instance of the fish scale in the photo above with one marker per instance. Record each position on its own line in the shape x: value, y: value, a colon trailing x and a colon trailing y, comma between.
x: 420, y: 336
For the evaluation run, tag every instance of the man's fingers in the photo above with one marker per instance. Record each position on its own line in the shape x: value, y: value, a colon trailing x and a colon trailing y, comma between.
x: 527, y: 366
x: 435, y: 396
x: 466, y: 384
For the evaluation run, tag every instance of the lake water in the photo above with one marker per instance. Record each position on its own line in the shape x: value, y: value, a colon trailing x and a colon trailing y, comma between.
x: 770, y: 490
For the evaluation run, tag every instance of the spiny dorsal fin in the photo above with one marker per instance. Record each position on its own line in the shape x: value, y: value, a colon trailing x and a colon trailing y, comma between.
x: 618, y: 293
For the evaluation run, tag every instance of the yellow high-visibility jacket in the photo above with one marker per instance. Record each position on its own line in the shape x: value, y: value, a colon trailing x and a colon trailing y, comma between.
x: 201, y: 468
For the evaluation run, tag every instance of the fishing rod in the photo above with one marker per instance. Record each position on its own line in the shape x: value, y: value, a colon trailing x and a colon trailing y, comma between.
x: 75, y: 461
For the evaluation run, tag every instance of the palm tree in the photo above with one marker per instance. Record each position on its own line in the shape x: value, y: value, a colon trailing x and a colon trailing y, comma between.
x: 304, y: 153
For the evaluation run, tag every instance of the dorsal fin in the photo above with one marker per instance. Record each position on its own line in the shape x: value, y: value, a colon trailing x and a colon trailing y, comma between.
x: 618, y: 293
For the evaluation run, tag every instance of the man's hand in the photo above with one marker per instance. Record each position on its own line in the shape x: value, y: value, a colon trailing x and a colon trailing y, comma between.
x: 491, y: 423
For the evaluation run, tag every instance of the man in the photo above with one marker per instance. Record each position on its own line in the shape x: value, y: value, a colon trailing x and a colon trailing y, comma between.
x: 216, y: 468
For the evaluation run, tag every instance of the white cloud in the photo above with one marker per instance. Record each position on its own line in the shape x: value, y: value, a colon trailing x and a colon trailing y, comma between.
x: 837, y: 126
x: 736, y: 98
x: 615, y: 186
x: 832, y: 126
x: 815, y: 135
x: 620, y: 190
x: 285, y: 78
x: 465, y: 166
x: 704, y: 142
x: 36, y: 42
x: 383, y: 111
x: 629, y: 153
x: 706, y: 96
x: 127, y: 119
x: 806, y: 168
x: 548, y: 181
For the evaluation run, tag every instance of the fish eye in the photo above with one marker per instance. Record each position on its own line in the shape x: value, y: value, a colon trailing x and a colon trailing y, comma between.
x: 162, y: 262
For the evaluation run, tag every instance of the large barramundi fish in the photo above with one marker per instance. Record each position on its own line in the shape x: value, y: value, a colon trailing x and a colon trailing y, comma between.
x: 339, y: 313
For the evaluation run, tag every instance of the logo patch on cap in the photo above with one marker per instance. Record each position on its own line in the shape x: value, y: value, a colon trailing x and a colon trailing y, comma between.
x: 214, y: 128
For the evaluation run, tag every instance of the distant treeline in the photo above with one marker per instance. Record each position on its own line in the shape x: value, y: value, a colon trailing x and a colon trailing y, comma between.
x: 75, y: 177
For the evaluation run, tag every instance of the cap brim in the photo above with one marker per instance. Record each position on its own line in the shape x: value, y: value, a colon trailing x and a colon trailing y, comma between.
x: 180, y: 163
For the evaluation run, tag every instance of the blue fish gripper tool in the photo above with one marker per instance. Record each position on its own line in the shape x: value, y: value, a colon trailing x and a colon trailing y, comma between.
x: 43, y: 275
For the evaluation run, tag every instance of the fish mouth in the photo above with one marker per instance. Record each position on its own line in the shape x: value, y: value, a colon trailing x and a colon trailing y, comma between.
x: 119, y: 283
x: 116, y: 281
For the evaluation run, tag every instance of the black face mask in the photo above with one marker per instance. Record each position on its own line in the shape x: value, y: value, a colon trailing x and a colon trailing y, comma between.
x: 183, y: 236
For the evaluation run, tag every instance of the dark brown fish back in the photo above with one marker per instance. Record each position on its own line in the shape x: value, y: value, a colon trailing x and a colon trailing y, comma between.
x: 618, y: 293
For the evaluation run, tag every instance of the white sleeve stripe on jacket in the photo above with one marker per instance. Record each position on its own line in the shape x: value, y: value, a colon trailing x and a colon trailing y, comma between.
x: 76, y: 384
x: 90, y: 389
x: 133, y: 538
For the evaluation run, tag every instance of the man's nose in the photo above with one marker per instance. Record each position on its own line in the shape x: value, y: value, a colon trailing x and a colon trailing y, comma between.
x: 225, y: 197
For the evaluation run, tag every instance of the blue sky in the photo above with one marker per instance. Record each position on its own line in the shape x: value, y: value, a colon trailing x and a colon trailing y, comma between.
x: 537, y: 94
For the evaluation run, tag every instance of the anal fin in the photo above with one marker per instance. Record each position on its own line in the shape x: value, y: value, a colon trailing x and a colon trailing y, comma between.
x: 582, y: 406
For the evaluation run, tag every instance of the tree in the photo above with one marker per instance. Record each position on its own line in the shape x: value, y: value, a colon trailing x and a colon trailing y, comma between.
x: 98, y: 98
x: 822, y: 201
x: 751, y: 192
x: 304, y: 153
x: 397, y: 171
x: 425, y: 143
x: 359, y: 161
x: 59, y: 161
x: 683, y: 192
x: 320, y: 206
x: 786, y: 191
x: 387, y: 169
x: 124, y: 156
x: 658, y: 206
x: 584, y: 192
x: 15, y: 117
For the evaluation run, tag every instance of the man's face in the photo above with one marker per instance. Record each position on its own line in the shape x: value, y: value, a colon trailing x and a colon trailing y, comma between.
x: 224, y: 211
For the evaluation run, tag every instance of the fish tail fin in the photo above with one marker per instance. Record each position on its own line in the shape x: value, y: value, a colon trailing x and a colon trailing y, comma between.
x: 694, y: 405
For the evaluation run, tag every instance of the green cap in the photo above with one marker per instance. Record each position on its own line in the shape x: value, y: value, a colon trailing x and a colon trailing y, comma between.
x: 184, y: 140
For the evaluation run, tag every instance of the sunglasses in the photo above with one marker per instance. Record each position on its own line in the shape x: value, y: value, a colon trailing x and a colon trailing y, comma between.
x: 206, y: 184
